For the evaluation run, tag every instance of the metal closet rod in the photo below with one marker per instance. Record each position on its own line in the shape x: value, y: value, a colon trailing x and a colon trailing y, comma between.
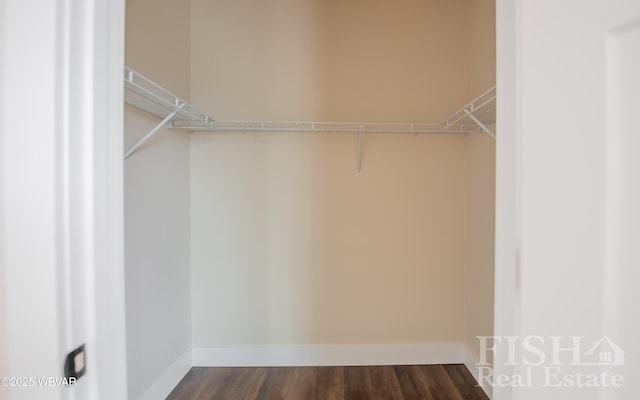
x: 337, y: 127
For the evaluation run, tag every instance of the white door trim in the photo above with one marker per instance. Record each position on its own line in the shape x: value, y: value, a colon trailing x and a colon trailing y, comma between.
x: 108, y: 179
x: 62, y: 193
x: 506, y: 304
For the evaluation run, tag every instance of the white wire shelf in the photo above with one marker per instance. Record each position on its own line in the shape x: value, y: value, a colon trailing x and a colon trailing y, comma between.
x: 483, y: 107
x: 148, y: 96
x: 142, y: 93
x: 476, y: 116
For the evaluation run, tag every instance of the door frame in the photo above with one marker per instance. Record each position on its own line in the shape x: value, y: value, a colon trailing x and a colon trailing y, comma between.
x: 103, y: 65
x: 108, y: 182
x: 61, y: 185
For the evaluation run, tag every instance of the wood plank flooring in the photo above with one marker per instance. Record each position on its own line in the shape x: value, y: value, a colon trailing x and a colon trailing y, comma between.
x: 414, y: 382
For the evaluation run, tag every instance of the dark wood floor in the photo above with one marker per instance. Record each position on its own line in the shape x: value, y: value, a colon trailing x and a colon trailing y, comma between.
x: 416, y: 382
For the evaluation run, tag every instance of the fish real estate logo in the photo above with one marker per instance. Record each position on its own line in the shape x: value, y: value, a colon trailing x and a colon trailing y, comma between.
x: 551, y: 361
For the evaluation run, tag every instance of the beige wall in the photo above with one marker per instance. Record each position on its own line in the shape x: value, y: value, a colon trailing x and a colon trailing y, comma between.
x: 482, y: 230
x: 482, y: 181
x: 390, y: 60
x: 379, y: 61
x: 157, y: 200
x: 482, y: 46
x: 158, y: 40
x: 288, y: 245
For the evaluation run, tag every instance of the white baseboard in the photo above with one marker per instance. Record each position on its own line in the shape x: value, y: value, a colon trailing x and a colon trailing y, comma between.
x: 161, y: 388
x: 470, y: 361
x: 243, y: 356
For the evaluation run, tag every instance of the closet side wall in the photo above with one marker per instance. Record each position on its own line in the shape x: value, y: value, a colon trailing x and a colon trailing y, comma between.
x: 482, y: 180
x: 289, y: 246
x: 157, y: 207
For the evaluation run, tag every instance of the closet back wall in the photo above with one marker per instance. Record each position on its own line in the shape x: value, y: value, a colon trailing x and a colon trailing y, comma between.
x: 288, y: 245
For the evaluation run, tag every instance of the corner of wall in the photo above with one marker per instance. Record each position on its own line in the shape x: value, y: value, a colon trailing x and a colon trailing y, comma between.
x: 164, y: 385
x: 157, y: 206
x: 471, y: 361
x: 480, y: 287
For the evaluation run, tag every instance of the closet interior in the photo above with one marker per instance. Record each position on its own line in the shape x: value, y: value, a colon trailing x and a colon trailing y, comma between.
x: 307, y: 183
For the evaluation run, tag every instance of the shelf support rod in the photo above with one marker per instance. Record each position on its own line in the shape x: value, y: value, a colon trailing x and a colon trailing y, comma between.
x: 360, y: 128
x: 480, y: 124
x: 154, y: 130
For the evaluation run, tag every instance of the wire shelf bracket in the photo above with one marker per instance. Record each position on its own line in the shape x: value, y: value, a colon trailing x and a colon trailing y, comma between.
x: 150, y: 97
x: 481, y: 124
x: 480, y: 112
x: 154, y: 130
